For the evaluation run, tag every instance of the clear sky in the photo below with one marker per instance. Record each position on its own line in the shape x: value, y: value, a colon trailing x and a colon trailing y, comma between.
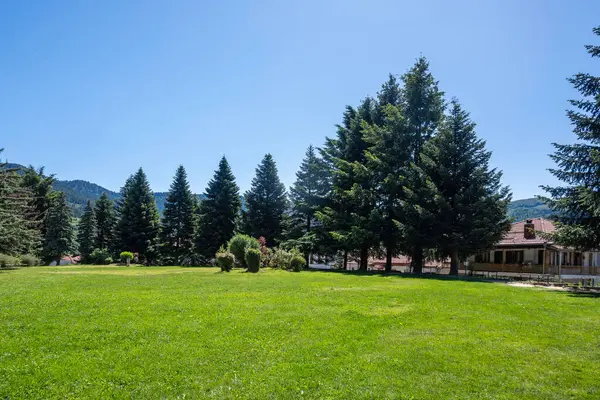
x: 95, y: 89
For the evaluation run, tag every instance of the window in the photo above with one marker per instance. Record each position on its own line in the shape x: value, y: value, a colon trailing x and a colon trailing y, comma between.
x: 497, y: 257
x: 541, y: 257
x: 483, y: 257
x: 514, y: 257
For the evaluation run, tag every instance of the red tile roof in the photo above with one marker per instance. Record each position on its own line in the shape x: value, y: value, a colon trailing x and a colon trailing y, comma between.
x: 516, y: 235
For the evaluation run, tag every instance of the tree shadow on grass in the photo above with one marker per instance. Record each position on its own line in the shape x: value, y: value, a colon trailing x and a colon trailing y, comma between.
x: 404, y: 275
x: 579, y: 293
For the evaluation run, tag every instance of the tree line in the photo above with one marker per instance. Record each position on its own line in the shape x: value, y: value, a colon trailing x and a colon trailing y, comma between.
x: 405, y: 173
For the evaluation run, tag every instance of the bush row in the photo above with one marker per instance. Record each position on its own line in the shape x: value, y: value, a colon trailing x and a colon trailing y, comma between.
x: 25, y: 260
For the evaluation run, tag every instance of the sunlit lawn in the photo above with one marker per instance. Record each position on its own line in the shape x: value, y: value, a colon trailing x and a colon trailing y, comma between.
x: 117, y: 332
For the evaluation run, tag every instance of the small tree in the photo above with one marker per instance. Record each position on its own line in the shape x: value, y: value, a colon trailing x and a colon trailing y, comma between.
x: 59, y: 230
x: 253, y: 259
x: 126, y: 257
x: 238, y: 246
x: 225, y: 259
x: 87, y: 232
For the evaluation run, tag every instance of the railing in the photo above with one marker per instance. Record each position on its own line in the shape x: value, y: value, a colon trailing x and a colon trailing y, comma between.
x: 535, y: 269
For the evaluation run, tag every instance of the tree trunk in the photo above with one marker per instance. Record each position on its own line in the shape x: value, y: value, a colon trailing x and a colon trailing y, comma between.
x: 388, y: 258
x: 364, y: 258
x: 345, y: 260
x: 417, y: 260
x: 454, y: 262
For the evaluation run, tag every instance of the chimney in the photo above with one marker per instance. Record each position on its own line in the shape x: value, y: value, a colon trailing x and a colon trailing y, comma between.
x: 529, y: 232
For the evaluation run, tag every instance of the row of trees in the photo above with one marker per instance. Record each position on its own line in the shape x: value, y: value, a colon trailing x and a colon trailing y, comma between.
x: 404, y: 174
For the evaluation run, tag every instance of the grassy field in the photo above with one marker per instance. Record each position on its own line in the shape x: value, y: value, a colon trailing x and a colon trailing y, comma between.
x: 111, y: 332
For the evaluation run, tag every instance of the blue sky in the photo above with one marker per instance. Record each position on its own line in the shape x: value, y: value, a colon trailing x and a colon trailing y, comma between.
x: 95, y: 89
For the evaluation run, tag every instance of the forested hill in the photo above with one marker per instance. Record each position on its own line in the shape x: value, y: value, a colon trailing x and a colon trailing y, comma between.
x: 528, y: 208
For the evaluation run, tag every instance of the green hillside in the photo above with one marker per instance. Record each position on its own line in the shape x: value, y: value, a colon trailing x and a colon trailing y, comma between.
x: 528, y: 208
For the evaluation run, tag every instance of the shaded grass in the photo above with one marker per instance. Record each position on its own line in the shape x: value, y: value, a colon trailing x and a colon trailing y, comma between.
x: 112, y: 332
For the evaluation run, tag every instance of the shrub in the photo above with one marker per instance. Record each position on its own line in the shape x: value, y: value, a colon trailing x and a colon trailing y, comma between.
x: 297, y: 263
x: 225, y: 259
x: 283, y: 259
x: 108, y: 260
x: 30, y: 261
x: 126, y: 257
x: 7, y: 261
x: 98, y: 256
x: 253, y: 259
x: 238, y: 246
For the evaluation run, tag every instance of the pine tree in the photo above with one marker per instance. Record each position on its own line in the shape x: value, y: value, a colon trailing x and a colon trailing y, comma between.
x: 18, y: 233
x: 105, y: 223
x: 119, y: 239
x: 423, y: 107
x: 87, y: 231
x: 217, y: 212
x: 177, y: 226
x: 266, y: 202
x: 470, y: 205
x: 308, y: 195
x: 41, y: 188
x: 139, y: 221
x: 58, y: 239
x: 577, y: 204
x: 388, y: 160
x: 349, y: 213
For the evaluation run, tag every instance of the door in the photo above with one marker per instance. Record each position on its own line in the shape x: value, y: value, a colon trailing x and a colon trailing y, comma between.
x: 540, y: 257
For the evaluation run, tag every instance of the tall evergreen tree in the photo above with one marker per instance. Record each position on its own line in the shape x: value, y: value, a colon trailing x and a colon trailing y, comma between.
x: 423, y: 108
x: 139, y: 221
x: 266, y: 202
x: 40, y: 186
x: 177, y: 226
x: 470, y: 205
x: 388, y: 160
x: 349, y: 213
x: 119, y: 239
x: 217, y: 212
x: 18, y: 233
x: 105, y: 223
x: 576, y: 204
x: 58, y: 239
x: 87, y: 231
x: 308, y: 195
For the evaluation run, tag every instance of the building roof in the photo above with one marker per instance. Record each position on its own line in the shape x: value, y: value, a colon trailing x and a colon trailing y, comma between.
x: 516, y: 235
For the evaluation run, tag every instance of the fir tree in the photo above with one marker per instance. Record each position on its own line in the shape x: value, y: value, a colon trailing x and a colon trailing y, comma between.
x: 58, y: 239
x: 423, y: 107
x: 87, y: 231
x: 308, y: 195
x: 177, y: 226
x: 41, y: 188
x: 470, y: 207
x: 388, y: 160
x: 266, y: 202
x: 18, y: 233
x: 139, y: 221
x: 217, y: 212
x: 576, y: 204
x: 105, y: 223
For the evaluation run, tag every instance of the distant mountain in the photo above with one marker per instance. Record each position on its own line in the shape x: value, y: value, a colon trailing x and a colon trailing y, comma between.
x: 528, y: 208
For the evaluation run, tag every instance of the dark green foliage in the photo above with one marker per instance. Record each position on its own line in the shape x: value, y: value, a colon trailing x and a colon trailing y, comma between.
x: 422, y: 106
x: 58, y: 239
x: 99, y: 256
x: 238, y: 246
x: 41, y: 188
x: 266, y: 202
x: 138, y: 218
x: 217, y: 213
x: 177, y: 227
x: 470, y: 203
x: 297, y: 263
x: 106, y: 222
x: 252, y: 258
x: 308, y: 195
x: 576, y: 204
x: 87, y: 231
x: 18, y: 226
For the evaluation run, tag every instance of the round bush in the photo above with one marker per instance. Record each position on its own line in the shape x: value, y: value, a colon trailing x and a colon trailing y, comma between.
x: 238, y: 246
x: 253, y: 259
x: 108, y: 260
x: 225, y: 260
x: 98, y: 256
x: 297, y: 263
x: 30, y: 261
x: 126, y: 256
x: 7, y: 261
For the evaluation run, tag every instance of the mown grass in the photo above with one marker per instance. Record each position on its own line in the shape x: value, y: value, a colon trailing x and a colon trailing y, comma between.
x: 109, y: 332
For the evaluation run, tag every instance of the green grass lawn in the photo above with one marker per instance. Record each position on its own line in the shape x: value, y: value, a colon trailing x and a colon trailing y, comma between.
x: 111, y: 332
